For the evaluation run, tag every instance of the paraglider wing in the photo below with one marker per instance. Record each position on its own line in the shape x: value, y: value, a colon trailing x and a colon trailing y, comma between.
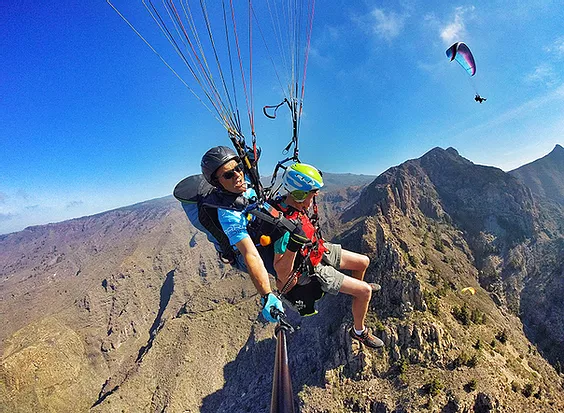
x: 471, y: 290
x: 462, y: 54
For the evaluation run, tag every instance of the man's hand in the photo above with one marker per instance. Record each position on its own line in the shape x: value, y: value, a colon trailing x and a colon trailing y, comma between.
x: 270, y: 301
x: 297, y: 239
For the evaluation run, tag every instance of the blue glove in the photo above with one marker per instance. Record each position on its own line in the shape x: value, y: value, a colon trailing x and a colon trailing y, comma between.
x: 269, y: 302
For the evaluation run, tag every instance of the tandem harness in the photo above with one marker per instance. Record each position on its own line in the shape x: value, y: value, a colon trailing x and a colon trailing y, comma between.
x: 200, y: 202
x: 302, y: 297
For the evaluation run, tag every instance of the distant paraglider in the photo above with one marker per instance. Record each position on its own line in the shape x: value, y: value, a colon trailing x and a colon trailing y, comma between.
x: 470, y: 290
x: 460, y: 52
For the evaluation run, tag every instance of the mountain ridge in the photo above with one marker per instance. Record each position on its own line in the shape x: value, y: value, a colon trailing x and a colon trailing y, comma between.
x: 544, y: 176
x: 140, y: 288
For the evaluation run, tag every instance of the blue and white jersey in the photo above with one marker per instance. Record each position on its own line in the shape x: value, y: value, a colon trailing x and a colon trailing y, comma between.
x: 234, y: 223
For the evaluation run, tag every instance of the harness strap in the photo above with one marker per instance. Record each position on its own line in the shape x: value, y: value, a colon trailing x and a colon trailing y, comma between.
x: 304, y: 266
x: 278, y: 221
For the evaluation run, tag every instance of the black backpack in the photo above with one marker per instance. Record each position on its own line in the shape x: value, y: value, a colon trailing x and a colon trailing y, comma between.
x: 200, y: 202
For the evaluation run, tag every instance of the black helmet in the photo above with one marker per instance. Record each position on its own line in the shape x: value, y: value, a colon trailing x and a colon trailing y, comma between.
x: 214, y: 159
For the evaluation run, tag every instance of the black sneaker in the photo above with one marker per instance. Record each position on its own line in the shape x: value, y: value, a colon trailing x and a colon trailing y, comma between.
x: 367, y: 338
x: 375, y: 287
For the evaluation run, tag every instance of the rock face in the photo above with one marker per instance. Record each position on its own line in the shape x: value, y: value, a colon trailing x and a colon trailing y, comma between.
x: 131, y: 311
x: 437, y: 224
x: 545, y: 176
x: 541, y: 304
x: 44, y: 365
x: 110, y: 281
x: 143, y: 292
x: 454, y: 205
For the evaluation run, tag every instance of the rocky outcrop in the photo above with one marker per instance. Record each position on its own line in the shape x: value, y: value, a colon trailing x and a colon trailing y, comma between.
x: 432, y: 226
x: 545, y: 176
x: 136, y: 300
x: 45, y: 365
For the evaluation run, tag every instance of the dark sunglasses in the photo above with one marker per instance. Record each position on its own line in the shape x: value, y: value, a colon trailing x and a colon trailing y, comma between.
x: 231, y: 173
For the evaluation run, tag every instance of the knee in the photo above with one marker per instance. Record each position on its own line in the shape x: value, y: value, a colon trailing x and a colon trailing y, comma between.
x: 365, y: 261
x: 364, y: 291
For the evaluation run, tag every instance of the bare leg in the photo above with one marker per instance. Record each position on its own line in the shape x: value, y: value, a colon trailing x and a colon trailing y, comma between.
x: 357, y: 263
x: 361, y: 293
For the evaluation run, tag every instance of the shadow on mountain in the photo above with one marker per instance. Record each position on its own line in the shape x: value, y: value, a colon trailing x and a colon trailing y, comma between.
x: 248, y: 378
x: 166, y: 292
x: 542, y: 311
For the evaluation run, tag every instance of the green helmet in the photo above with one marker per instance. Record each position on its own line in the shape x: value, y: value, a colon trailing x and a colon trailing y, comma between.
x: 300, y: 179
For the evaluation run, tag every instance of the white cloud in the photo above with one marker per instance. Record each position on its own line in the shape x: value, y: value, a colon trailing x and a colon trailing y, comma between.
x: 431, y: 18
x: 4, y: 217
x: 385, y: 25
x: 544, y: 74
x: 556, y: 49
x: 455, y: 30
x: 556, y: 96
x: 334, y: 33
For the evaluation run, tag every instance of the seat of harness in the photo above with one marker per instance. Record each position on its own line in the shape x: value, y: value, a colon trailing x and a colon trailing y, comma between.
x: 302, y: 298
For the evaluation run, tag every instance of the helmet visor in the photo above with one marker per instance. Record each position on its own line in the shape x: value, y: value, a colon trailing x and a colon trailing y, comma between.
x: 300, y: 196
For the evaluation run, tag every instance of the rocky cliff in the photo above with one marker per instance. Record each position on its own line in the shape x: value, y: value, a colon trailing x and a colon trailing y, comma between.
x: 433, y: 226
x: 131, y: 311
x: 540, y: 307
x: 545, y: 176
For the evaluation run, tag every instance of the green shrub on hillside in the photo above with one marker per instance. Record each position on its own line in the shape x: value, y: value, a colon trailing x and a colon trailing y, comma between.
x: 464, y: 359
x: 443, y: 290
x: 434, y: 278
x: 528, y: 390
x: 502, y: 336
x: 434, y: 387
x: 478, y: 317
x: 379, y: 326
x: 472, y: 385
x: 462, y: 314
x: 438, y: 242
x: 413, y: 260
x: 432, y: 302
x: 403, y: 365
x: 466, y: 316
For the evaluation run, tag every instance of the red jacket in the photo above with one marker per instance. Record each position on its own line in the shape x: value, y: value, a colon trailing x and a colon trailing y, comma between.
x: 316, y: 251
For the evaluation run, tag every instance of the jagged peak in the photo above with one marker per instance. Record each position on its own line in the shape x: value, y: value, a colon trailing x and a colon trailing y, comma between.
x: 452, y: 151
x: 557, y: 151
x: 553, y: 156
x: 440, y: 155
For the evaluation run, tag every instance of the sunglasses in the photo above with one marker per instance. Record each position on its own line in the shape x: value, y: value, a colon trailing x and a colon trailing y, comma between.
x: 302, y: 195
x: 231, y: 173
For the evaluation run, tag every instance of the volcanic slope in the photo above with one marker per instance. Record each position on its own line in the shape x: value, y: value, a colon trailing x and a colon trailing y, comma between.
x: 135, y: 306
x: 432, y: 227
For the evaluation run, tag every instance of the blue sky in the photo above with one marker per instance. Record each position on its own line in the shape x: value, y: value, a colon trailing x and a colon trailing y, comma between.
x: 91, y: 119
